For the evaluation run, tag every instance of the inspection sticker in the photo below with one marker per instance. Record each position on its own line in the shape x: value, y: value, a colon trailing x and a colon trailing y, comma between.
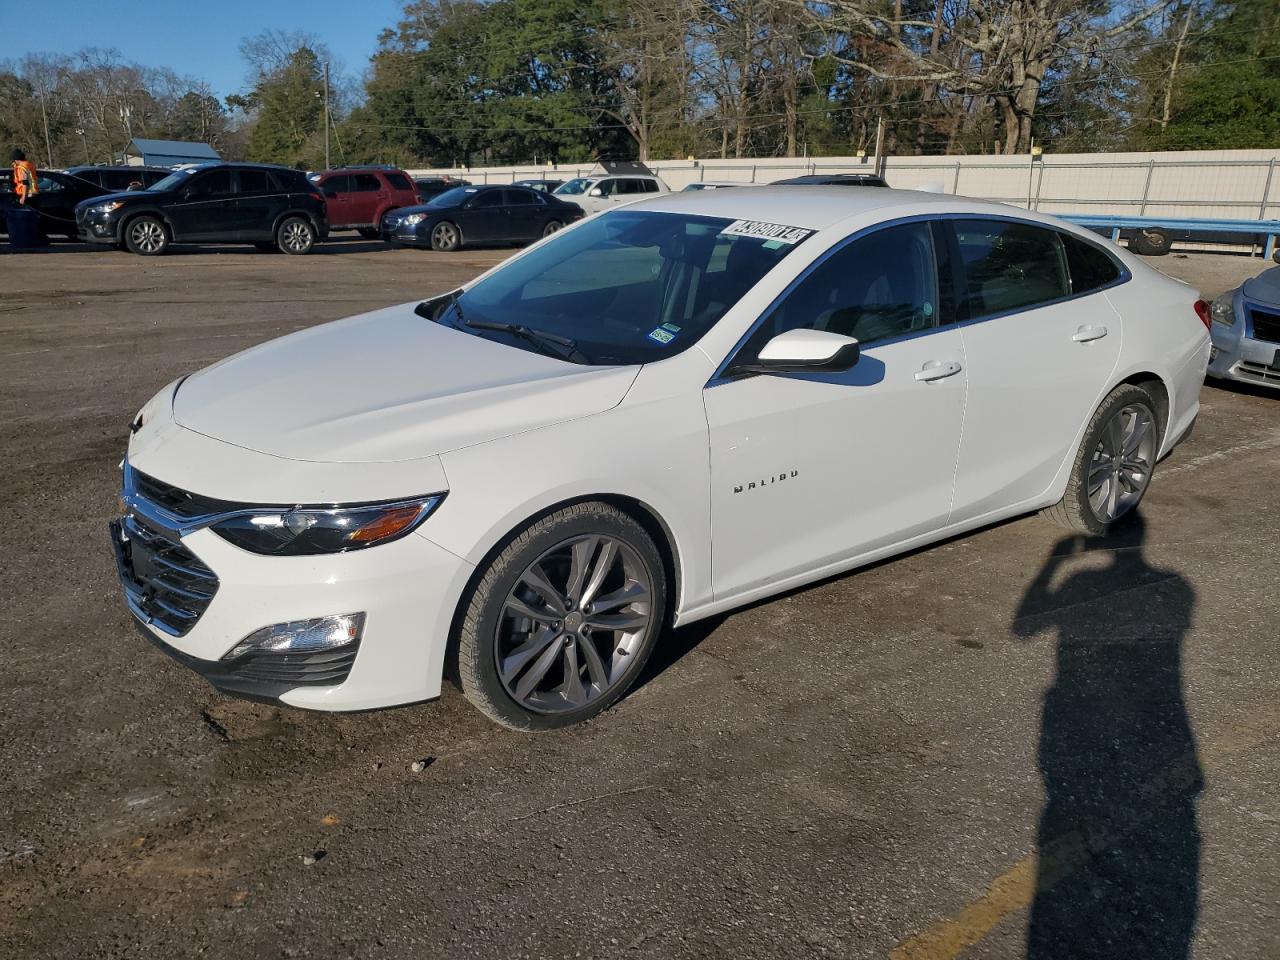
x: 661, y: 336
x: 775, y: 232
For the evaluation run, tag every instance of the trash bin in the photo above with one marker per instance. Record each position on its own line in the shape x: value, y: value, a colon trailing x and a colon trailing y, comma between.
x: 24, y: 228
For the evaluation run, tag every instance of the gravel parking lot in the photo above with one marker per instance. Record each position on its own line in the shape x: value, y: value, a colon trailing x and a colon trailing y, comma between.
x: 1012, y: 744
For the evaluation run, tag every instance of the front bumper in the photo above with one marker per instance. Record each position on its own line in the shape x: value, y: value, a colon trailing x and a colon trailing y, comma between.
x: 407, y: 589
x: 392, y: 230
x: 1239, y: 353
x: 96, y: 227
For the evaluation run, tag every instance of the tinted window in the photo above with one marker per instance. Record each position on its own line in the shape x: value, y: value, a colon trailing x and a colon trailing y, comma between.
x: 490, y: 198
x: 213, y: 184
x: 628, y: 287
x: 152, y: 176
x: 399, y: 181
x: 365, y: 182
x: 521, y: 197
x: 880, y: 286
x: 255, y: 181
x: 47, y: 184
x: 1008, y: 266
x: 452, y: 198
x: 1090, y: 267
x: 338, y: 183
x: 649, y: 186
x: 628, y: 186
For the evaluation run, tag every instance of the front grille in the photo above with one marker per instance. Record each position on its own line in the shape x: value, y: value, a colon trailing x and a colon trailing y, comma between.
x: 390, y: 222
x: 1266, y: 325
x: 164, y: 583
x: 1259, y: 370
x: 179, y: 502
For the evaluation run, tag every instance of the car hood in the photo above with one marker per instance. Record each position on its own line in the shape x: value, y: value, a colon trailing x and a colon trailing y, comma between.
x: 387, y: 386
x: 126, y: 195
x: 1265, y: 286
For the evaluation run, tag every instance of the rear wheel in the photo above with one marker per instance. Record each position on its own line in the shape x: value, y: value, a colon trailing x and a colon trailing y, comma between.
x: 552, y: 226
x: 445, y: 237
x: 296, y: 236
x: 1152, y: 242
x: 1114, y: 464
x: 562, y: 621
x: 146, y: 236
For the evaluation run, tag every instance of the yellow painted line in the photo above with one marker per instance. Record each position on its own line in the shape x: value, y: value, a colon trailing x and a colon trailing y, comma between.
x: 1015, y: 889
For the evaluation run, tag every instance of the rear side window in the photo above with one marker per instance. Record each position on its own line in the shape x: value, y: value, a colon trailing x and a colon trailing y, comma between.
x: 254, y: 181
x: 521, y: 198
x: 1008, y: 266
x: 1090, y: 267
x: 649, y: 186
x: 399, y: 181
x: 364, y: 182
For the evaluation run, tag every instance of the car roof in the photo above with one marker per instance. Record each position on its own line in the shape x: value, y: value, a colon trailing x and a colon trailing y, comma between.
x: 813, y: 208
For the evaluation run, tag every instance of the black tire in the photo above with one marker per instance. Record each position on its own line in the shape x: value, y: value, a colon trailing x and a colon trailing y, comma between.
x: 146, y: 236
x: 1074, y: 510
x: 295, y: 236
x: 477, y: 641
x: 552, y: 226
x: 369, y: 233
x: 1152, y: 242
x: 446, y: 237
x: 266, y: 246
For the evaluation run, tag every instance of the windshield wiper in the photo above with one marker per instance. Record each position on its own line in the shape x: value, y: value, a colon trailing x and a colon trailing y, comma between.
x: 551, y: 343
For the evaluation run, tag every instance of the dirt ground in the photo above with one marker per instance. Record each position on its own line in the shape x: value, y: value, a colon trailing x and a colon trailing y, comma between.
x: 995, y: 748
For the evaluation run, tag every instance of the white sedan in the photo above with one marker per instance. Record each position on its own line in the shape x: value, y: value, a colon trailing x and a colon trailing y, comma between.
x: 658, y: 414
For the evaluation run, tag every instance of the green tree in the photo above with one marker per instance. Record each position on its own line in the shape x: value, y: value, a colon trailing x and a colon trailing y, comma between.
x: 289, y: 112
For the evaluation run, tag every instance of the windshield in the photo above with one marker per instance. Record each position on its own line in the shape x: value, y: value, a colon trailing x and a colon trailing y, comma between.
x: 574, y: 187
x: 451, y: 198
x: 627, y: 287
x: 171, y: 181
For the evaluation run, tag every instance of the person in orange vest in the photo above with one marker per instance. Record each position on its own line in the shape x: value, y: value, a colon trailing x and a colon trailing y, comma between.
x: 25, y: 184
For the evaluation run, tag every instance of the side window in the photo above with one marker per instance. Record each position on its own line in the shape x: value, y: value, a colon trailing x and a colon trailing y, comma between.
x: 46, y: 184
x: 215, y: 183
x: 118, y: 179
x: 365, y: 182
x: 649, y: 186
x: 338, y: 183
x: 1090, y: 267
x: 490, y: 198
x: 520, y: 198
x: 399, y: 181
x: 1008, y: 266
x: 254, y: 181
x: 609, y: 187
x: 880, y: 286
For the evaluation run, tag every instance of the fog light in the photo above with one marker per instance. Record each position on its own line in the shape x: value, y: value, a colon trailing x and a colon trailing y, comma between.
x: 302, y: 636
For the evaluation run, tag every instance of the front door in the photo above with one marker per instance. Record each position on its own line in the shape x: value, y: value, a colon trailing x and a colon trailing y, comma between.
x: 337, y: 199
x: 206, y: 209
x: 258, y: 201
x: 485, y: 220
x: 808, y: 470
x: 1040, y: 358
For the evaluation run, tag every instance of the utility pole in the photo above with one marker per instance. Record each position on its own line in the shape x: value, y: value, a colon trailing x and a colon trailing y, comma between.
x: 44, y: 116
x: 326, y: 115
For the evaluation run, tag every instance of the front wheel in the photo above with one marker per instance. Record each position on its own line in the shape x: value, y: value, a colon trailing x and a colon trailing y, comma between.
x: 296, y: 236
x: 146, y: 236
x: 1114, y: 464
x: 561, y: 622
x: 445, y: 237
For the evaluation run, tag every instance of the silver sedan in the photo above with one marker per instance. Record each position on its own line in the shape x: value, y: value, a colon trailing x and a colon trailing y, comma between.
x: 1246, y: 331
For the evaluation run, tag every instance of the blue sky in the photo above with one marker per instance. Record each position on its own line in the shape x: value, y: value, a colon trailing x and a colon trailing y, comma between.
x: 196, y: 39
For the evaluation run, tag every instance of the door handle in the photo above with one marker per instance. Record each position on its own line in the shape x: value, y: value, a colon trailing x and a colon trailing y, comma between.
x: 1087, y: 333
x: 937, y: 370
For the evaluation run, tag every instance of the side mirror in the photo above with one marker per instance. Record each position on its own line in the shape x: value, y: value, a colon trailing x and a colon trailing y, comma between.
x: 595, y: 192
x: 804, y: 351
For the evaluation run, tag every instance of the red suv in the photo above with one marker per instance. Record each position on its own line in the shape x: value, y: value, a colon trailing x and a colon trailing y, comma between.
x: 357, y: 197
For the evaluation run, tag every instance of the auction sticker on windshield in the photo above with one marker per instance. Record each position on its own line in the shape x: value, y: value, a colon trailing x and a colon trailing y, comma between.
x: 776, y: 232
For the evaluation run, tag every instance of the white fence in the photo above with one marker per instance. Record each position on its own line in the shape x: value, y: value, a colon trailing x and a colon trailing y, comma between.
x: 1239, y: 184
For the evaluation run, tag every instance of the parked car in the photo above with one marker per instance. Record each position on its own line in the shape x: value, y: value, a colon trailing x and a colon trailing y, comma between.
x: 1246, y: 331
x: 594, y: 194
x: 478, y: 215
x: 666, y: 412
x: 429, y: 187
x: 542, y: 186
x: 273, y: 208
x: 712, y: 185
x: 56, y: 200
x: 357, y: 197
x: 121, y: 178
x: 836, y: 180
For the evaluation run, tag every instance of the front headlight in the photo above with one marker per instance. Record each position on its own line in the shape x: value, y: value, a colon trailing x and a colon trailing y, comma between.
x: 306, y: 531
x: 413, y: 218
x: 1223, y: 309
x: 106, y: 207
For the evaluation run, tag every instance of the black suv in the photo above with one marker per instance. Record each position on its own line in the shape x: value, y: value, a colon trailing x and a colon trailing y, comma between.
x: 117, y: 179
x: 274, y: 208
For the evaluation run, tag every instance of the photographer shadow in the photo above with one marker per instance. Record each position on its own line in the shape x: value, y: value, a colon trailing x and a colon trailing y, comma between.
x: 1118, y: 842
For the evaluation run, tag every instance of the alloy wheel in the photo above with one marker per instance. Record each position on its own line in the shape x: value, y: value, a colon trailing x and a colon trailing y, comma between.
x: 296, y: 236
x: 147, y: 236
x: 552, y: 227
x: 571, y: 625
x: 444, y: 236
x: 1122, y: 462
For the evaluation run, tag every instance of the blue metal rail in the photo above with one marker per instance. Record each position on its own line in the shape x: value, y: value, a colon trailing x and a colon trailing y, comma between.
x: 1263, y: 228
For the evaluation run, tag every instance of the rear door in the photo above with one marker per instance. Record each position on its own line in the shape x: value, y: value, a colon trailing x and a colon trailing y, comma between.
x: 525, y: 213
x: 337, y: 199
x: 257, y: 203
x: 1040, y: 354
x: 403, y: 193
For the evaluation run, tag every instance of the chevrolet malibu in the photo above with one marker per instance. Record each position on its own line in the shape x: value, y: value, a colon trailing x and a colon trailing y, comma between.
x: 655, y: 415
